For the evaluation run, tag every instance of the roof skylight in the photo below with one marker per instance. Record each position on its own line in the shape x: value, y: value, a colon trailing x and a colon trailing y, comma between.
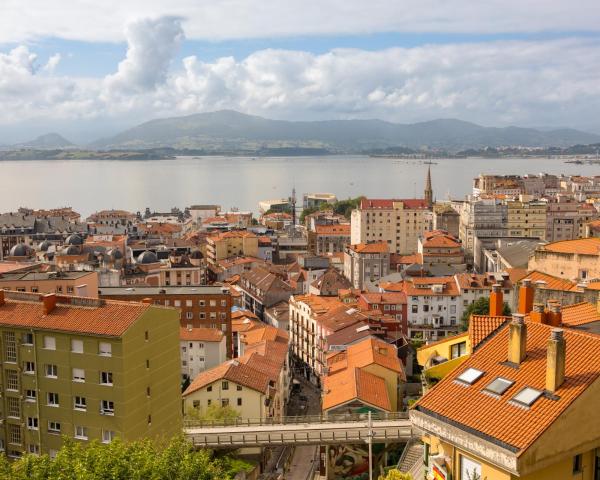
x: 527, y: 396
x: 499, y: 385
x: 470, y: 376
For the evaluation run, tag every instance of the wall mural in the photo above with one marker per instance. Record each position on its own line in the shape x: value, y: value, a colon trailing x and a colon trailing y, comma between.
x: 351, y: 462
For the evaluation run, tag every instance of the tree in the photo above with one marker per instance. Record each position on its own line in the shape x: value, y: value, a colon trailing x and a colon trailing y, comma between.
x: 396, y: 475
x: 213, y: 412
x: 481, y: 306
x: 144, y: 459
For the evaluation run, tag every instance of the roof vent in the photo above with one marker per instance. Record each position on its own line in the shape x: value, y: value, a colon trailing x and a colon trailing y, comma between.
x: 364, y: 328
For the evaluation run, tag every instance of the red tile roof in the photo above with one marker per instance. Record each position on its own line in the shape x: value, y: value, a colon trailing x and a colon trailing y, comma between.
x: 355, y: 384
x: 482, y: 326
x: 108, y: 318
x: 339, y: 229
x: 201, y: 334
x: 410, y: 203
x: 582, y: 246
x: 233, y: 371
x: 580, y: 314
x: 469, y: 407
x: 376, y: 247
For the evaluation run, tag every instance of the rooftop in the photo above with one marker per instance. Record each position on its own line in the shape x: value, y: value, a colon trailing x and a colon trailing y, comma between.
x: 409, y: 203
x: 376, y: 247
x: 233, y: 371
x: 579, y: 314
x: 581, y: 246
x: 352, y: 384
x: 201, y: 334
x: 150, y: 291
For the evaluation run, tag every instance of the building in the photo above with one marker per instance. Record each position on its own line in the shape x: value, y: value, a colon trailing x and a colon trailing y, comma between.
x: 438, y: 247
x: 526, y: 218
x: 78, y: 283
x: 576, y: 260
x: 236, y: 243
x: 521, y: 406
x: 482, y: 217
x: 395, y: 222
x: 446, y: 218
x: 329, y: 283
x: 277, y: 205
x: 261, y: 289
x: 87, y: 369
x: 199, y: 213
x: 366, y: 262
x: 203, y: 306
x: 324, y: 239
x: 316, y: 200
x: 567, y: 218
x: 201, y: 349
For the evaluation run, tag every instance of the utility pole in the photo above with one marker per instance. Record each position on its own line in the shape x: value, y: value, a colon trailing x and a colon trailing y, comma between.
x: 370, y: 443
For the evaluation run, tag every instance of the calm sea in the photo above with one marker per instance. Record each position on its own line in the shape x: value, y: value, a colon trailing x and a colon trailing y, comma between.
x: 241, y: 182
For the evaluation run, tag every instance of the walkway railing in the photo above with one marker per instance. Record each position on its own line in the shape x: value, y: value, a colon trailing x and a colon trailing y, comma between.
x: 294, y: 420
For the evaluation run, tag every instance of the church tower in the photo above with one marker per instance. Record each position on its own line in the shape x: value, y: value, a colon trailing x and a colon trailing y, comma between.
x: 428, y: 190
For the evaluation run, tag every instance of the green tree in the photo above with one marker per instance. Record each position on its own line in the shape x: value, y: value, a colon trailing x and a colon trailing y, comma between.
x: 140, y: 460
x: 481, y: 306
x: 396, y: 475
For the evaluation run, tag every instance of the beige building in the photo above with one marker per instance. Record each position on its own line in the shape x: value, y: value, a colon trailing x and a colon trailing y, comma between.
x: 231, y: 244
x: 395, y: 222
x: 526, y: 218
x: 577, y: 260
x: 366, y: 262
x: 78, y: 283
x: 87, y: 369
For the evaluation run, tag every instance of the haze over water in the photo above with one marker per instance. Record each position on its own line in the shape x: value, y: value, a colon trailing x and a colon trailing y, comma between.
x: 90, y: 185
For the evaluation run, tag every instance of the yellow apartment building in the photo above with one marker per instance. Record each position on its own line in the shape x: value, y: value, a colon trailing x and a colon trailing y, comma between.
x: 235, y: 243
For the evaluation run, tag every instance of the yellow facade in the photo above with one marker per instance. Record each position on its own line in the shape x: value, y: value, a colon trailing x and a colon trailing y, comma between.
x: 446, y: 348
x: 232, y: 245
x: 526, y: 219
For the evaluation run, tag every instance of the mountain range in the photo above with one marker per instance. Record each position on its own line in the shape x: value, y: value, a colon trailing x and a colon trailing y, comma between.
x: 231, y: 131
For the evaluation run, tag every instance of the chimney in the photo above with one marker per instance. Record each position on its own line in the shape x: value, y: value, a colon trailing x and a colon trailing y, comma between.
x: 81, y: 290
x: 496, y: 301
x: 538, y: 314
x: 517, y: 339
x: 49, y: 301
x: 2, y: 298
x: 555, y: 315
x: 555, y: 366
x: 525, y: 297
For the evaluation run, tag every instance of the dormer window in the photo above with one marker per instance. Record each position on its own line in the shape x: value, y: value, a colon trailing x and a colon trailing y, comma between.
x: 469, y: 376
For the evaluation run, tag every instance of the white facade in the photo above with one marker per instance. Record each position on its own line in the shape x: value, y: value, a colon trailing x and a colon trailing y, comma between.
x: 197, y: 356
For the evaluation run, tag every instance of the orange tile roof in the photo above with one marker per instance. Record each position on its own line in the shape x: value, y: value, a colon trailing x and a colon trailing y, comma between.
x: 376, y: 247
x: 482, y: 326
x: 386, y: 297
x: 406, y: 259
x: 409, y: 203
x: 6, y: 267
x: 374, y: 351
x: 113, y: 318
x: 581, y: 246
x: 355, y: 384
x: 339, y: 229
x: 201, y: 334
x: 264, y: 332
x: 422, y: 286
x: 469, y: 407
x: 441, y: 240
x: 579, y: 314
x: 233, y: 371
x: 551, y: 282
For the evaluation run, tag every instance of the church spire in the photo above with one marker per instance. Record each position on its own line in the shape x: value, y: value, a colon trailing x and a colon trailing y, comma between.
x: 428, y: 190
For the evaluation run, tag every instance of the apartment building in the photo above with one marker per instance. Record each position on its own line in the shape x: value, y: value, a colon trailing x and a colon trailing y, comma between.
x: 261, y: 289
x: 78, y: 283
x: 87, y: 369
x: 521, y: 406
x: 438, y: 247
x: 395, y: 222
x: 576, y: 260
x: 567, y: 219
x: 526, y: 218
x: 324, y: 239
x: 234, y: 243
x: 201, y: 349
x: 366, y: 262
x: 482, y: 217
x: 200, y: 307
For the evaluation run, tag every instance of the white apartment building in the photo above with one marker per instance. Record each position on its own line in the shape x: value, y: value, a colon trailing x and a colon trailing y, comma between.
x: 201, y: 349
x: 481, y: 217
x: 399, y: 223
x: 366, y: 262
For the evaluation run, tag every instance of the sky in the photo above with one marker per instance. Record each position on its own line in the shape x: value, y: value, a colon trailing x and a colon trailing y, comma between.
x: 88, y: 69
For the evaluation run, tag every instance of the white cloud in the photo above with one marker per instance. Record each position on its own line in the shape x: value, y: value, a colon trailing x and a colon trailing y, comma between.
x: 52, y: 62
x: 526, y: 83
x: 227, y: 19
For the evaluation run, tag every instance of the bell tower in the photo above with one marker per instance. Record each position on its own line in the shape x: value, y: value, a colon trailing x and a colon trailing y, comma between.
x: 428, y: 194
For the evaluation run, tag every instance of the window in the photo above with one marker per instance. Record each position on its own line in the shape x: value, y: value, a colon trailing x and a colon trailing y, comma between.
x: 146, y: 336
x: 106, y: 378
x: 149, y: 419
x: 49, y: 343
x: 470, y: 376
x: 13, y: 407
x: 209, y: 402
x: 53, y: 399
x: 577, y: 464
x: 188, y: 303
x: 27, y: 339
x: 177, y: 303
x: 32, y: 423
x: 224, y: 402
x: 107, y: 407
x: 225, y: 385
x: 108, y: 436
x: 79, y: 375
x: 81, y: 432
x: 223, y: 303
x: 189, y: 315
x: 213, y: 303
x: 148, y: 391
x: 77, y: 346
x: 213, y: 315
x: 458, y: 350
x: 209, y: 388
x: 147, y: 363
x: 29, y: 368
x: 33, y: 449
x: 105, y: 349
x: 499, y: 386
x: 14, y: 434
x: 30, y: 395
x: 527, y: 396
x: 201, y: 303
x: 239, y: 402
x: 10, y: 347
x: 469, y: 469
x: 51, y: 371
x: 12, y: 380
x: 239, y: 388
x: 79, y: 403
